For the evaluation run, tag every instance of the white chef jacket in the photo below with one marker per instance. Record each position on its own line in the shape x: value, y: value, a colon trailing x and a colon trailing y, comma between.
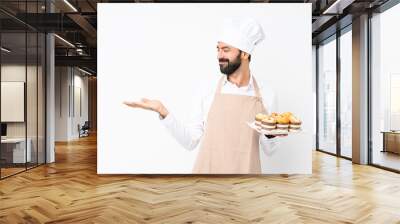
x: 190, y: 134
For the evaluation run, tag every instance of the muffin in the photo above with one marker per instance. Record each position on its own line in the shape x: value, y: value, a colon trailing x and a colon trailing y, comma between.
x: 274, y: 115
x: 295, y: 123
x: 259, y: 118
x: 283, y: 122
x: 268, y: 123
x: 286, y: 114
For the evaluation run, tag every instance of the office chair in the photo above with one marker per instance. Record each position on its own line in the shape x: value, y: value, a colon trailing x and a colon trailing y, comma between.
x: 84, y: 130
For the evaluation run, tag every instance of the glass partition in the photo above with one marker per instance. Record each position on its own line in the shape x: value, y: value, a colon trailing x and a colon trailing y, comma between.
x: 13, y: 98
x: 22, y: 67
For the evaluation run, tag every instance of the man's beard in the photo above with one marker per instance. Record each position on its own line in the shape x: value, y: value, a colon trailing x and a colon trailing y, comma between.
x: 231, y: 67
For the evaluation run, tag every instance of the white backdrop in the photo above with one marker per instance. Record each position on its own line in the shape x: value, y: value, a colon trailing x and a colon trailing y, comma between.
x: 168, y: 52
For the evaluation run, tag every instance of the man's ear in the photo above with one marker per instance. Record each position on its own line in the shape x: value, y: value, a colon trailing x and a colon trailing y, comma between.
x: 245, y: 55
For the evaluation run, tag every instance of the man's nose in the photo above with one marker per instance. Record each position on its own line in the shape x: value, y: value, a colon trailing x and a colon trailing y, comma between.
x: 220, y: 55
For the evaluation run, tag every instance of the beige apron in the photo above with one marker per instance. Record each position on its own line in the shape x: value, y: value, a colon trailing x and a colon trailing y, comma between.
x: 229, y: 145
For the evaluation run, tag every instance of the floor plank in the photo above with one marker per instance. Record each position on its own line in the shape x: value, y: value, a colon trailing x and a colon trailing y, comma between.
x: 70, y: 191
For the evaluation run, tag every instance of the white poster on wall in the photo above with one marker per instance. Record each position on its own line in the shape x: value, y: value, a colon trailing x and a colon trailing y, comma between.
x: 12, y: 101
x: 172, y: 55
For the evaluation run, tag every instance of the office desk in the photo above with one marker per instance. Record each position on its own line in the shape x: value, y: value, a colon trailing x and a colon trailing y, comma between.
x: 13, y: 150
x: 391, y: 141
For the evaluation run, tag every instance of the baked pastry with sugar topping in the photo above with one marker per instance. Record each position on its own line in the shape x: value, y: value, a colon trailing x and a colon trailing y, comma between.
x: 283, y: 122
x: 268, y: 123
x: 259, y: 118
x: 295, y: 123
x: 287, y: 114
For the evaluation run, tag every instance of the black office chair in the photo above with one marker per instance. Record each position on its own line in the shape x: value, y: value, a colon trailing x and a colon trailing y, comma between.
x: 84, y: 130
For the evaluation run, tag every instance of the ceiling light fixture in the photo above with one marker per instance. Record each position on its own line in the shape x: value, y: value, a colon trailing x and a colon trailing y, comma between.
x: 70, y: 5
x: 337, y: 7
x: 84, y: 71
x: 5, y: 50
x: 64, y: 40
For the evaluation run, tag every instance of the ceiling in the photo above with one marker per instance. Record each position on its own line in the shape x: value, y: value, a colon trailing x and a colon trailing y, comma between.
x: 76, y: 22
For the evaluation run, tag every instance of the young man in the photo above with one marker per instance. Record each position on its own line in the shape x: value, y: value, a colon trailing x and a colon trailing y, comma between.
x: 227, y: 144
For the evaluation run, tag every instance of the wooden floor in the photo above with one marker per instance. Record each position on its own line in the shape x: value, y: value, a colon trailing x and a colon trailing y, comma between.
x: 5, y: 172
x: 9, y: 171
x: 70, y: 191
x: 387, y: 159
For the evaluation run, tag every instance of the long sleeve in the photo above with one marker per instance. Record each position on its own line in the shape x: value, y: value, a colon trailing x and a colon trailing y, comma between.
x: 188, y: 135
x: 268, y: 145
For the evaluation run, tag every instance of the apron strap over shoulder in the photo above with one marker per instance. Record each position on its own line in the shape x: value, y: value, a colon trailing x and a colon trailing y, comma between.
x: 256, y: 88
x: 258, y: 95
x: 219, y: 87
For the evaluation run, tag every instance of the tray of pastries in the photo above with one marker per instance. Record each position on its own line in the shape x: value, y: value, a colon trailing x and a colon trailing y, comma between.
x: 276, y: 124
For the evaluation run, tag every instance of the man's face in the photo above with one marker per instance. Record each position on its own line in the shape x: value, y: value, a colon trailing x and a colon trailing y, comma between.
x: 229, y: 58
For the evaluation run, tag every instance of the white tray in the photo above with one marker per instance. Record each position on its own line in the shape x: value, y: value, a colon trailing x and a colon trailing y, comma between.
x: 275, y: 132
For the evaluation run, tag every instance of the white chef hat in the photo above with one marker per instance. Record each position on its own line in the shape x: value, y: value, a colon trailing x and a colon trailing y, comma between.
x: 241, y: 33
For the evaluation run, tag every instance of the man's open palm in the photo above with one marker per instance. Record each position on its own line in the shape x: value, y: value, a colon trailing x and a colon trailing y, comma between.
x: 146, y: 104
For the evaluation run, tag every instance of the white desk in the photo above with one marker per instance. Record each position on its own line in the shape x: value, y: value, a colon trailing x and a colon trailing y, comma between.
x: 19, y: 149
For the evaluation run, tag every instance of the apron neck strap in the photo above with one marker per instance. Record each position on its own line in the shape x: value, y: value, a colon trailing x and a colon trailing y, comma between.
x: 256, y: 89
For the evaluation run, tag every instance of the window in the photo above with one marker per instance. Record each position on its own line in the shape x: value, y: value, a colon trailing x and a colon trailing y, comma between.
x: 385, y: 89
x: 327, y: 97
x: 346, y: 93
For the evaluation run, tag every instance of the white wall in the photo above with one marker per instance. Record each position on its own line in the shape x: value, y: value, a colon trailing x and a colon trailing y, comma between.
x: 68, y: 82
x: 12, y: 73
x: 61, y: 103
x: 314, y: 87
x: 80, y: 84
x: 169, y: 53
x: 34, y: 125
